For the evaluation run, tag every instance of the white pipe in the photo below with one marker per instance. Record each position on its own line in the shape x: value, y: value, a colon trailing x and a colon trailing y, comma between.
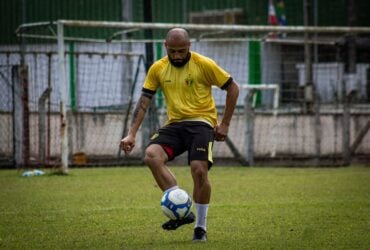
x: 202, y: 27
x: 63, y: 100
x: 217, y: 27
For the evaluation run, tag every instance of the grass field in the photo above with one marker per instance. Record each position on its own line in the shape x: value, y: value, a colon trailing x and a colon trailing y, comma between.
x: 252, y: 208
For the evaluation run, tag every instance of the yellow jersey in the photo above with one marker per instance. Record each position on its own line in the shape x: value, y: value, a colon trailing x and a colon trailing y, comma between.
x: 188, y: 89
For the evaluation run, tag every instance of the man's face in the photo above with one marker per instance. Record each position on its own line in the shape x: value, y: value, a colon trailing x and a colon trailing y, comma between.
x: 177, y: 52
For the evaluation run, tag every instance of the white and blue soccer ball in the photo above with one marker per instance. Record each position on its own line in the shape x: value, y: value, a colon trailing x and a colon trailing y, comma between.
x: 176, y: 204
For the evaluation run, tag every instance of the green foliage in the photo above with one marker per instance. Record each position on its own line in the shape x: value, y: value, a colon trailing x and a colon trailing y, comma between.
x: 252, y: 208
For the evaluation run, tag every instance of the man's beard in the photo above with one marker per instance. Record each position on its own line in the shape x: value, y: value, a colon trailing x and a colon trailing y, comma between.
x: 179, y: 63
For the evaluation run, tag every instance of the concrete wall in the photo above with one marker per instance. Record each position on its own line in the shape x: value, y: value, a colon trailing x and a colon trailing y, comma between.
x: 99, y: 134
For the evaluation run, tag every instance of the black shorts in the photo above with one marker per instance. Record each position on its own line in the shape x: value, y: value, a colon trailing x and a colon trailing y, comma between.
x: 192, y: 136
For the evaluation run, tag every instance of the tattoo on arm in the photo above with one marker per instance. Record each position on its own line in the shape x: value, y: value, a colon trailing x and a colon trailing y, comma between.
x: 141, y: 105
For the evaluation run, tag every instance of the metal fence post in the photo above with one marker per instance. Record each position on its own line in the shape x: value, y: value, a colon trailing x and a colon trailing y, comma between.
x: 249, y: 132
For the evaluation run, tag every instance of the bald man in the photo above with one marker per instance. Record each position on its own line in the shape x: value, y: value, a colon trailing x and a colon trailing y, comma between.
x: 186, y: 79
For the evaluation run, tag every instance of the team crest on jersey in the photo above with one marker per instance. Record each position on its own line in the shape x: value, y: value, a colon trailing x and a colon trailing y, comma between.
x: 189, y: 81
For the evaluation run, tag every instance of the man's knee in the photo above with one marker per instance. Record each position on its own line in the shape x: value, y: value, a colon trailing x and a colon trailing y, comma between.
x: 199, y: 170
x: 154, y: 154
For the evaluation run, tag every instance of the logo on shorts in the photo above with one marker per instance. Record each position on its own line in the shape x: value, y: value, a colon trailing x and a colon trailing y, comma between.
x: 201, y: 149
x: 155, y: 135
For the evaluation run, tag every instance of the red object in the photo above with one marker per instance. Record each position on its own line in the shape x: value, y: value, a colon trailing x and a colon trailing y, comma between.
x: 169, y: 151
x: 272, y: 19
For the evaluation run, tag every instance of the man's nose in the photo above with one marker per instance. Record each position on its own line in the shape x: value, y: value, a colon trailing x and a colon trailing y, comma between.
x: 176, y: 56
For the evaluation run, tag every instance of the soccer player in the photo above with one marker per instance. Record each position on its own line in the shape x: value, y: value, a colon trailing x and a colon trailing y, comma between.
x: 186, y: 79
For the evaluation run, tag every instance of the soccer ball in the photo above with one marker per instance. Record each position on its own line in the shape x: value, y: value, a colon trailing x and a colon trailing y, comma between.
x: 176, y: 204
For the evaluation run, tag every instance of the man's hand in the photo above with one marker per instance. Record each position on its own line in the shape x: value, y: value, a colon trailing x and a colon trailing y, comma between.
x: 221, y: 131
x: 127, y: 144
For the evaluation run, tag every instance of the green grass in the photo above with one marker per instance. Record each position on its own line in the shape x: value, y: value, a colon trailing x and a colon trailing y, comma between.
x: 251, y: 208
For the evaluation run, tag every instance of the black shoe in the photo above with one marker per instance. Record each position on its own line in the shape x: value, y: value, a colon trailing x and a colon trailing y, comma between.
x: 174, y: 224
x: 200, y: 235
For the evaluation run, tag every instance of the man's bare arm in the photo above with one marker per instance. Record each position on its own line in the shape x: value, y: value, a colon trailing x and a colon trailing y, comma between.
x: 139, y: 113
x: 128, y: 143
x: 231, y: 98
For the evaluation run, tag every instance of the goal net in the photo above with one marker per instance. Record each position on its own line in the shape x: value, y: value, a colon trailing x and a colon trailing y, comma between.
x: 84, y: 78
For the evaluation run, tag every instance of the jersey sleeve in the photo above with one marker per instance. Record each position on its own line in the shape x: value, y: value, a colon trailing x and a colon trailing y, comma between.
x: 151, y: 82
x: 216, y: 75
